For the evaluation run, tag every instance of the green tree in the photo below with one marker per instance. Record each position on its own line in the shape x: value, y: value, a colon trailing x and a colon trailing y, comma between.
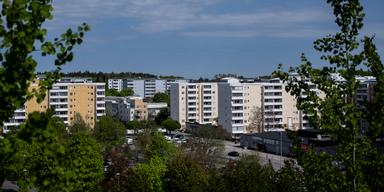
x: 184, y: 174
x: 122, y: 93
x: 21, y: 38
x: 109, y: 132
x: 248, y: 175
x: 359, y: 163
x: 42, y: 155
x: 149, y: 176
x: 162, y: 116
x: 170, y: 125
x: 160, y: 147
x: 112, y: 92
x: 161, y: 97
x: 126, y: 92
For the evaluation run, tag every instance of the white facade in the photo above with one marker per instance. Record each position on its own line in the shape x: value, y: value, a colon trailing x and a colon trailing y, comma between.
x: 194, y: 102
x: 144, y: 88
x: 237, y: 102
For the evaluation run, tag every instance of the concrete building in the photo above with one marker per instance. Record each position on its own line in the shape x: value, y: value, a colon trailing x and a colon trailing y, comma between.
x: 237, y: 104
x: 145, y: 88
x: 132, y: 108
x: 68, y: 97
x: 194, y: 102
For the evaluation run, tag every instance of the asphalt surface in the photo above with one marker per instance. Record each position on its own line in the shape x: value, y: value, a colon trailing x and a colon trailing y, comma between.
x: 277, y: 161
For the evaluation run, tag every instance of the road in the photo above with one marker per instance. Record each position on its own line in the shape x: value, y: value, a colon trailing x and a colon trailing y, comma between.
x: 277, y: 161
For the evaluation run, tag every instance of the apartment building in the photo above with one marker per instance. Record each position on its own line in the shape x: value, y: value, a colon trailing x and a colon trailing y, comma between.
x: 144, y: 88
x: 194, y: 102
x: 132, y: 108
x: 237, y: 104
x: 67, y: 97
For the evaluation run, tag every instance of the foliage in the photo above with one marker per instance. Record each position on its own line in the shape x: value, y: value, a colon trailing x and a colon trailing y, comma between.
x: 339, y: 113
x: 256, y: 120
x: 118, y: 169
x: 185, y: 174
x: 160, y: 147
x: 170, y: 124
x: 103, y: 77
x: 161, y: 98
x: 290, y: 178
x: 149, y: 176
x: 205, y: 145
x: 109, y: 132
x: 42, y: 155
x: 162, y: 116
x: 122, y: 93
x: 22, y: 37
x: 248, y: 175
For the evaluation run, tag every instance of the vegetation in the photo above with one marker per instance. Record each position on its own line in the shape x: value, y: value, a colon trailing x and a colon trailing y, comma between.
x: 21, y: 34
x: 42, y: 155
x: 170, y: 125
x: 122, y: 93
x: 109, y: 132
x: 162, y: 116
x: 358, y: 163
x: 161, y: 98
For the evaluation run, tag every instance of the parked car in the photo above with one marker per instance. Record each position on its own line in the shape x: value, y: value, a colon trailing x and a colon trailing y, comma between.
x: 233, y: 154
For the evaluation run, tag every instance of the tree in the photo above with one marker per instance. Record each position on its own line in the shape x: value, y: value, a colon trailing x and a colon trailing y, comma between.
x: 148, y: 176
x: 359, y: 161
x: 109, y: 132
x: 112, y: 92
x: 256, y: 120
x: 161, y: 97
x: 184, y: 174
x: 42, y: 155
x: 126, y: 92
x: 205, y: 145
x: 122, y: 93
x: 162, y: 116
x: 170, y: 125
x: 160, y: 147
x: 248, y: 175
x: 23, y: 37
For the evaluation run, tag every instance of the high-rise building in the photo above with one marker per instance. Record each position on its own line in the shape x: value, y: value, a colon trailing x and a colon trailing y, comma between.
x: 194, y: 102
x: 67, y: 97
x: 238, y: 103
x: 144, y: 88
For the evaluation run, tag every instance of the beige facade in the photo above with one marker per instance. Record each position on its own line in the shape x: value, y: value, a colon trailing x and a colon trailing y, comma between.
x: 194, y: 102
x: 68, y: 97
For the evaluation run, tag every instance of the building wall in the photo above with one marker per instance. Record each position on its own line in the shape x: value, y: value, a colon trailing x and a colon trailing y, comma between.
x: 194, y: 102
x: 67, y: 97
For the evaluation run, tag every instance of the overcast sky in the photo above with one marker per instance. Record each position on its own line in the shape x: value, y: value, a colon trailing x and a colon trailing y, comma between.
x: 200, y: 38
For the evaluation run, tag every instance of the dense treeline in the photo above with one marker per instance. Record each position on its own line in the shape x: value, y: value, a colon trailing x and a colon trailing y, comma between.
x: 103, y: 76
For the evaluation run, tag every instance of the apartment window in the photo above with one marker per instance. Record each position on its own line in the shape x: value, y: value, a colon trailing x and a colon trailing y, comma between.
x: 207, y: 86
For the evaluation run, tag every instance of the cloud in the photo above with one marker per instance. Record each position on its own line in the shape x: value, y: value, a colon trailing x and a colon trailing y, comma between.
x: 191, y: 18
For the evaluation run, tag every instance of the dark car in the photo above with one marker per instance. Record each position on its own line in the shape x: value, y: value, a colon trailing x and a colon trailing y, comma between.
x: 233, y: 154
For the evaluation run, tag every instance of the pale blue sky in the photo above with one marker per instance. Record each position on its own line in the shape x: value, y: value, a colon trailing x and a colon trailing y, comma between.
x: 200, y: 38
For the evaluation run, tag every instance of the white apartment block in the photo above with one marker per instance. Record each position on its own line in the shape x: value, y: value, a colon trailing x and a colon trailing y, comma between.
x: 68, y: 97
x: 144, y: 88
x: 194, y: 102
x: 237, y: 103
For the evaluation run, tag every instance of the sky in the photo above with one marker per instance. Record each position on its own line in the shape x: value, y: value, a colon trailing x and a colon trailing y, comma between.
x: 200, y: 38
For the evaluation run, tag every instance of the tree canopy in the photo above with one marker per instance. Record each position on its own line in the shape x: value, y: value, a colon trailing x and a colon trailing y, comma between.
x: 358, y: 162
x: 22, y: 38
x: 122, y: 93
x: 170, y: 124
x: 42, y: 155
x: 161, y: 98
